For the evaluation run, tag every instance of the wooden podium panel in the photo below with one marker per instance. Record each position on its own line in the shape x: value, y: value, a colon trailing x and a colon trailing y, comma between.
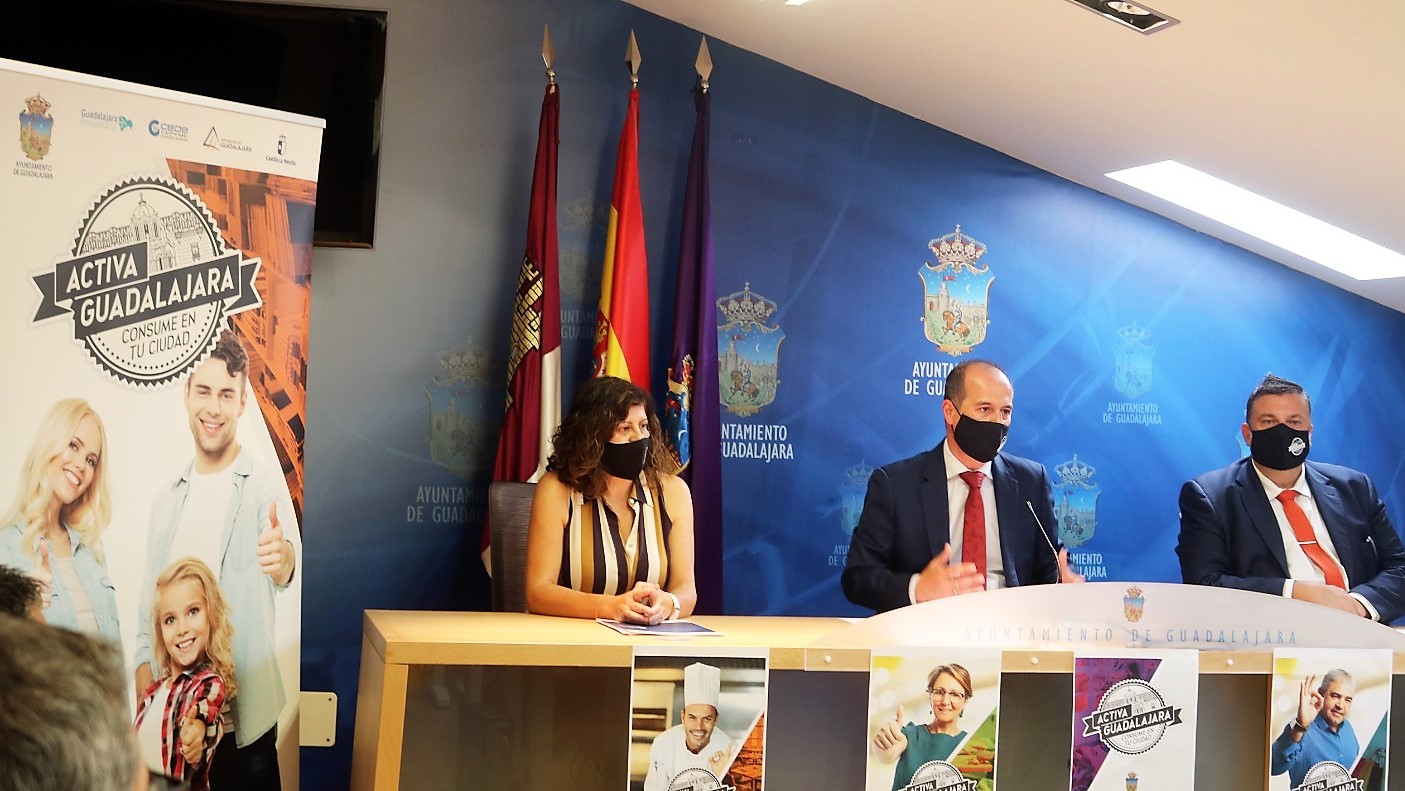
x: 517, y: 701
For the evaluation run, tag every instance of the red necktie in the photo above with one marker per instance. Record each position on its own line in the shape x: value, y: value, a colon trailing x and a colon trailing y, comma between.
x: 1302, y: 530
x: 973, y: 522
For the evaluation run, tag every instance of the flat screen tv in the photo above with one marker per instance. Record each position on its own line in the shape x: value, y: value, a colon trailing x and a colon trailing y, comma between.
x: 314, y: 60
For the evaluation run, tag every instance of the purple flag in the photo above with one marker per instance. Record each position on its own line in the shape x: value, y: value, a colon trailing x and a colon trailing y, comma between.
x: 691, y: 411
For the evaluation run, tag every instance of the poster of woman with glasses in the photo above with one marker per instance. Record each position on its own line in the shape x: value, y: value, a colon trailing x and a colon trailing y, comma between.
x: 932, y: 718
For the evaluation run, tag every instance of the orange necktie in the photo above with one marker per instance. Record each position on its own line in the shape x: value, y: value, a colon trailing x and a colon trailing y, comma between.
x: 973, y: 522
x: 1302, y: 530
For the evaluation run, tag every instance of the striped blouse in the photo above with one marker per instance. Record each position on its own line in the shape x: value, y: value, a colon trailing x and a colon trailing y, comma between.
x: 594, y: 557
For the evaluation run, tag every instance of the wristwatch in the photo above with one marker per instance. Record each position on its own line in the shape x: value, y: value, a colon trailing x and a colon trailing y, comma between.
x: 1297, y: 726
x: 677, y: 608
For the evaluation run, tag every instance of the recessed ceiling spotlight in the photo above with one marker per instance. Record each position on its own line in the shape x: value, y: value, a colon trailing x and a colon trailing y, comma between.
x: 1126, y: 8
x: 796, y: 2
x: 1136, y: 16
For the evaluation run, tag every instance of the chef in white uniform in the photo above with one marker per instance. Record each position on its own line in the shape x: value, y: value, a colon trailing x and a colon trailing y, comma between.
x: 696, y: 742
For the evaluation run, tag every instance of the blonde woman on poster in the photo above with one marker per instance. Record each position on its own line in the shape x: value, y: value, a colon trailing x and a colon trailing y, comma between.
x: 54, y: 530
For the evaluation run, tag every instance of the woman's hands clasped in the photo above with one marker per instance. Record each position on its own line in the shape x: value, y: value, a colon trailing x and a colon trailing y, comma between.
x: 645, y: 603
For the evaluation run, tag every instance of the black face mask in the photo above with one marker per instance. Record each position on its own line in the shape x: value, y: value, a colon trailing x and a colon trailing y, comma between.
x: 980, y: 439
x: 1279, y: 447
x: 625, y: 459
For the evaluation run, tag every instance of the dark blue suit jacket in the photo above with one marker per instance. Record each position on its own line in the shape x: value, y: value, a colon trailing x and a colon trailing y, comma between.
x: 1229, y: 536
x: 905, y: 523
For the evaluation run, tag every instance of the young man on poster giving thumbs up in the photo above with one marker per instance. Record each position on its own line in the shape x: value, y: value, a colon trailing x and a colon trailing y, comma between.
x: 223, y: 510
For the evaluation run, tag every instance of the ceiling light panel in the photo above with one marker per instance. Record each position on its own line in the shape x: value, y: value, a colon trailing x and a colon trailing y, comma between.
x: 1265, y: 219
x: 1129, y: 13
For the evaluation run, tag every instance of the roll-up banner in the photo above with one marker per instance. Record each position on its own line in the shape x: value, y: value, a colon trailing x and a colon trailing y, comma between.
x: 156, y: 271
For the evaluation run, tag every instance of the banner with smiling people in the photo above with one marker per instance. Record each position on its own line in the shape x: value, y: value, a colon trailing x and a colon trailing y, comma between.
x: 154, y: 293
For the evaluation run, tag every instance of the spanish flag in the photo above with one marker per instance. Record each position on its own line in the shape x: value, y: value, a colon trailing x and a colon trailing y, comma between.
x: 622, y: 325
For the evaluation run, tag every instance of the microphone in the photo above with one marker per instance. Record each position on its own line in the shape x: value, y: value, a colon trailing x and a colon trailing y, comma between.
x: 1045, y: 535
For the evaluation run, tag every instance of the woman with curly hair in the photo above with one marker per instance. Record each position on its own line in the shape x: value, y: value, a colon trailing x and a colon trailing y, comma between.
x: 611, y: 530
x: 54, y: 530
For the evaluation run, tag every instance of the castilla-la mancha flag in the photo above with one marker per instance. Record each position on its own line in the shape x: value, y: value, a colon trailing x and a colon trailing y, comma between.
x: 622, y: 325
x: 534, y: 361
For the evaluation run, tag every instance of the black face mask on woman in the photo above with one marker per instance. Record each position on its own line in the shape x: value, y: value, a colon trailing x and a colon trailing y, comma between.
x: 980, y: 439
x: 625, y: 459
x: 1279, y: 447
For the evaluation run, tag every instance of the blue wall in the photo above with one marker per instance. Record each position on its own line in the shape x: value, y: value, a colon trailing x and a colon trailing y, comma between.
x: 824, y: 203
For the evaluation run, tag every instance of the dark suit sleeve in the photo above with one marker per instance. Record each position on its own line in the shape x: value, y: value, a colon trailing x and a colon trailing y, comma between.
x: 1205, y: 546
x: 868, y: 579
x: 1382, y: 555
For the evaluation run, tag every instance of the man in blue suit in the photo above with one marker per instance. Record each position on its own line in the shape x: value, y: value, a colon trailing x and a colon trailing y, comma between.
x: 1279, y: 524
x: 961, y: 517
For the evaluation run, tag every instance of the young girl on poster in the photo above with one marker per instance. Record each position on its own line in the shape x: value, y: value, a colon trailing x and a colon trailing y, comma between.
x: 195, y: 672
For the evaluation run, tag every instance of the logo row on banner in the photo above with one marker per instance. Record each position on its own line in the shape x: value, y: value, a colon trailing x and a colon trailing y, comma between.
x: 698, y: 719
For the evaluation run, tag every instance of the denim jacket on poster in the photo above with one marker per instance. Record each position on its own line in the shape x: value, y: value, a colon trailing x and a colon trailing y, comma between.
x: 92, y: 575
x: 247, y: 590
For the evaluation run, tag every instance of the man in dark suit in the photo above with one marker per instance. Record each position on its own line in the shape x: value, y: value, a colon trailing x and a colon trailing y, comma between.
x: 1279, y: 524
x: 958, y: 518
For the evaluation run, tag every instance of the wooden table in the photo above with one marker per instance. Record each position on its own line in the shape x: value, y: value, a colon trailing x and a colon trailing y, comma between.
x: 572, y: 676
x: 395, y: 641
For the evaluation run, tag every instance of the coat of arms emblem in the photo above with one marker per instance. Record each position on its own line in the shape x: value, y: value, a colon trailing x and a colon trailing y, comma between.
x: 1132, y: 374
x: 1076, y: 502
x: 748, y: 350
x: 1133, y: 604
x: 36, y: 127
x: 852, y: 494
x: 677, y: 413
x: 956, y: 294
x: 459, y: 437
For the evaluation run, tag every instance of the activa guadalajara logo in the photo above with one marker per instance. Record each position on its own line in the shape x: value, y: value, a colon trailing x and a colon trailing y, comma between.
x: 148, y: 282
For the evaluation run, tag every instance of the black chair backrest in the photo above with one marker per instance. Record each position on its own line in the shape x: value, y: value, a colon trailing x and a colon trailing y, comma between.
x: 509, y: 510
